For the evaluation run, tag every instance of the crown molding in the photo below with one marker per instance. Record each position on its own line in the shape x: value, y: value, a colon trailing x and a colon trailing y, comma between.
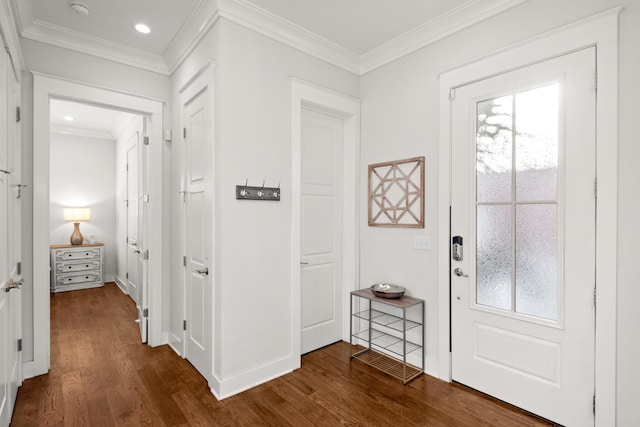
x: 464, y: 16
x: 85, y: 133
x: 58, y: 36
x: 43, y: 32
x: 208, y: 12
x: 202, y: 19
x: 279, y: 29
x: 11, y: 38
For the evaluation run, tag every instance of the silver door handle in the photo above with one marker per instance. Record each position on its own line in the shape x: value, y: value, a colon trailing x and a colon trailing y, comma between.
x: 458, y: 272
x: 304, y: 263
x: 13, y: 284
x: 137, y: 251
x: 204, y: 271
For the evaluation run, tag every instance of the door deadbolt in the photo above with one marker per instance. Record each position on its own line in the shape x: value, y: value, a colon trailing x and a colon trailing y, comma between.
x: 456, y: 248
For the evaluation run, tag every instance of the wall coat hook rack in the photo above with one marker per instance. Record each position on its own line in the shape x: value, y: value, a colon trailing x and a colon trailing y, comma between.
x: 247, y: 192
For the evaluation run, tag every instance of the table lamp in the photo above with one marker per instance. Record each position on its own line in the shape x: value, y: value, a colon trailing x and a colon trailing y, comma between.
x: 76, y: 215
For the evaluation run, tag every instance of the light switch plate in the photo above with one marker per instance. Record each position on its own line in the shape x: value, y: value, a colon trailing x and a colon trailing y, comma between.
x: 422, y: 243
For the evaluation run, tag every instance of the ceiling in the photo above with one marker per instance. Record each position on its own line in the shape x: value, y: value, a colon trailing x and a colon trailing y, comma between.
x: 343, y: 32
x: 357, y: 25
x: 357, y: 35
x: 88, y: 120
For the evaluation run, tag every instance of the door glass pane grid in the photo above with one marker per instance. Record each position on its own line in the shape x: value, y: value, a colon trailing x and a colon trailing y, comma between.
x: 516, y: 202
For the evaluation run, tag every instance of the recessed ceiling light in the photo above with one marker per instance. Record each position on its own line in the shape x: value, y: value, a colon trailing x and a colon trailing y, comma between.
x: 143, y: 29
x: 69, y: 118
x: 80, y: 9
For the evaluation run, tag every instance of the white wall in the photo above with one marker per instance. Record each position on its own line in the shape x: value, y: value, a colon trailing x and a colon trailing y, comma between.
x: 400, y: 119
x: 83, y: 173
x: 253, y: 308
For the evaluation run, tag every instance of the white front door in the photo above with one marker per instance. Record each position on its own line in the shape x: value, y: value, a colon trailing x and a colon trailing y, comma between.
x: 321, y: 230
x: 198, y: 226
x: 523, y: 235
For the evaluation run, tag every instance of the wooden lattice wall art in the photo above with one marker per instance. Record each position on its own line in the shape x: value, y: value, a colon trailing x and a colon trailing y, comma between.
x: 396, y: 193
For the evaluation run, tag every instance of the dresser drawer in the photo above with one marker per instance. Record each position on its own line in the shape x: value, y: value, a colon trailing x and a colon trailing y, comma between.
x: 69, y: 267
x: 73, y: 279
x: 70, y: 254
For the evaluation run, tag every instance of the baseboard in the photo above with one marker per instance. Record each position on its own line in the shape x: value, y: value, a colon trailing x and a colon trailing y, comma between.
x: 121, y: 284
x: 175, y: 343
x: 222, y: 389
x: 28, y: 369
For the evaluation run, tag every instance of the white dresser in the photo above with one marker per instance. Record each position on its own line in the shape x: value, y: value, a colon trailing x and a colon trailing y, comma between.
x: 76, y: 267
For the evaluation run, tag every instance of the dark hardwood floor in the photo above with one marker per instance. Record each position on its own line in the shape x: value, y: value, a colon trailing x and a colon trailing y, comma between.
x: 102, y: 376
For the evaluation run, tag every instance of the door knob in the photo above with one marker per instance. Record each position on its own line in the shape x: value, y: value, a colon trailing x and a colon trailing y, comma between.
x: 204, y: 271
x: 458, y: 272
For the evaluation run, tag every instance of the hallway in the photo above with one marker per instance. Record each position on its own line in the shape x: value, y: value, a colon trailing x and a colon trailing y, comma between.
x: 102, y: 376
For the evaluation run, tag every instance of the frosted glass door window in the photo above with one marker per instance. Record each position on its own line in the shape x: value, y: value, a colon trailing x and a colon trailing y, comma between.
x: 516, y: 202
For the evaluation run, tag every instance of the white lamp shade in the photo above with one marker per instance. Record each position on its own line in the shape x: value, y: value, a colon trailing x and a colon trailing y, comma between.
x: 76, y: 214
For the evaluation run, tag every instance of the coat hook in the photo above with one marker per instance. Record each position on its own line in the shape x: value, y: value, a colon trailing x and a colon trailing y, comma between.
x: 243, y: 192
x: 276, y: 192
x: 261, y: 191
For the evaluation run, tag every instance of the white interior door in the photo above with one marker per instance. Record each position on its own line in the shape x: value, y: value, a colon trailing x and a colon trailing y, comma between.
x: 135, y: 226
x: 5, y: 274
x: 133, y: 251
x: 321, y: 258
x: 15, y: 241
x: 523, y: 203
x: 198, y: 226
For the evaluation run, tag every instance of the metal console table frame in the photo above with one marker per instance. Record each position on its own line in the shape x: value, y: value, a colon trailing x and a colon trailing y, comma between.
x: 378, y: 334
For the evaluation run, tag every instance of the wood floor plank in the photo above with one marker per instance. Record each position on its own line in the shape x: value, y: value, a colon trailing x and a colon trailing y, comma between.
x: 101, y: 375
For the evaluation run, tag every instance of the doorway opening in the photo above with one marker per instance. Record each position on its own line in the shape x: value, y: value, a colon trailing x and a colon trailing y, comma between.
x: 98, y: 164
x: 329, y: 103
x: 47, y: 89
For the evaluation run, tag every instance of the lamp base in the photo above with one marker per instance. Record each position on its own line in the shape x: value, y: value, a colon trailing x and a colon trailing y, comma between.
x: 76, y: 236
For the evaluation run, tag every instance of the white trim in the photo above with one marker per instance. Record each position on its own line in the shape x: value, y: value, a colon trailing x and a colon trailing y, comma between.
x: 203, y: 18
x: 601, y: 31
x: 207, y: 13
x: 228, y: 387
x: 292, y: 35
x: 44, y: 32
x: 87, y: 133
x: 457, y: 19
x: 308, y: 94
x: 44, y: 88
x: 11, y: 39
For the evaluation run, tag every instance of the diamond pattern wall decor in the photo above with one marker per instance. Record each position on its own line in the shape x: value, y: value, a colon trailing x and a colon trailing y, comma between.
x: 396, y: 193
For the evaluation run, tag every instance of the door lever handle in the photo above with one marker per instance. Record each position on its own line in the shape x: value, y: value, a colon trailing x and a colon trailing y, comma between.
x: 13, y: 284
x: 458, y: 272
x: 304, y: 263
x: 204, y: 271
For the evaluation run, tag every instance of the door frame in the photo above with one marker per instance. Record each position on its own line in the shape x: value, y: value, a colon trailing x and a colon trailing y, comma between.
x: 46, y: 87
x: 601, y: 31
x: 305, y: 94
